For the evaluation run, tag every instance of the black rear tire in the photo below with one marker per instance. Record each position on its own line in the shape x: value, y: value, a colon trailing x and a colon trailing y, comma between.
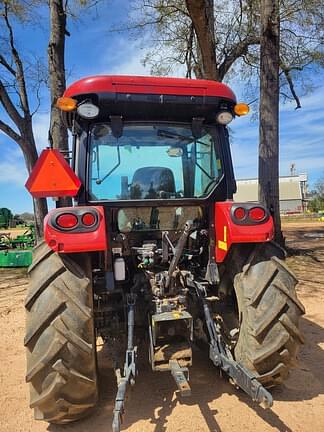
x: 269, y: 312
x: 60, y: 339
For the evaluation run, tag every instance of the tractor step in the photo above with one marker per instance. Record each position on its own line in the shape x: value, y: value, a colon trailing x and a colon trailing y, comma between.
x: 179, y: 374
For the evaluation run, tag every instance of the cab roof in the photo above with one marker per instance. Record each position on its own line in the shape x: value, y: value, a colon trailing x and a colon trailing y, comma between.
x: 149, y: 85
x: 139, y: 98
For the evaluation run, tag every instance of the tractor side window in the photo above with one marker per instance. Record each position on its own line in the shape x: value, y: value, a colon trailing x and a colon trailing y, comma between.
x: 207, y: 165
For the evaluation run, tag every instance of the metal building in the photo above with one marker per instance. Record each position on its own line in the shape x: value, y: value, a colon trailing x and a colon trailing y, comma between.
x: 292, y: 192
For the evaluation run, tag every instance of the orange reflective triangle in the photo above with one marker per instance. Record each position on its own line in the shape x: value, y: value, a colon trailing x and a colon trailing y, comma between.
x: 52, y: 176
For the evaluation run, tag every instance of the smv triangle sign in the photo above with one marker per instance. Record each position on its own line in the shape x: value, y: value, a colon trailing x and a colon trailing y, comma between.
x: 52, y: 176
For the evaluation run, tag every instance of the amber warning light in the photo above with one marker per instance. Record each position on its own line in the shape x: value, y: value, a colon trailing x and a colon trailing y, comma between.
x: 66, y: 104
x: 52, y: 176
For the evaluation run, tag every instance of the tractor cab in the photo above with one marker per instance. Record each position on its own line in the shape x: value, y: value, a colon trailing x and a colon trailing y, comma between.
x: 151, y: 138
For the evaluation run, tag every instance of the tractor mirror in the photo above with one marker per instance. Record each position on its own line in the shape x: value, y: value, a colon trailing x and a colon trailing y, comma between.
x: 175, y: 151
x: 101, y: 131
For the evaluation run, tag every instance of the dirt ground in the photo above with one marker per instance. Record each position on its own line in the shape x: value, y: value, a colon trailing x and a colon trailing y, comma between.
x: 214, y: 405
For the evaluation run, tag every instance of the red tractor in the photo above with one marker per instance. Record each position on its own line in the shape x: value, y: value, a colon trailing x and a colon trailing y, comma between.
x: 154, y: 254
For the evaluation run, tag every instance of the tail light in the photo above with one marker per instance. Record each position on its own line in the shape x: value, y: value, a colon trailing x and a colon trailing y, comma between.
x: 239, y: 213
x: 257, y: 214
x: 67, y: 221
x: 88, y: 219
x: 75, y: 219
x: 249, y: 214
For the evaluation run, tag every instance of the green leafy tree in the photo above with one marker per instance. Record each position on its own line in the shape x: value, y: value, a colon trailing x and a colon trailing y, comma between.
x: 316, y: 203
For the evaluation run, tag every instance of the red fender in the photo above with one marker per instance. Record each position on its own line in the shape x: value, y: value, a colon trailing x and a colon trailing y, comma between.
x: 228, y: 231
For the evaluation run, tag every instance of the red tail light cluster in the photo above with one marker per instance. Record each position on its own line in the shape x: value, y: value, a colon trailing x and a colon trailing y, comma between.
x: 249, y: 214
x: 76, y: 229
x: 80, y: 220
x: 257, y: 214
x: 239, y: 213
x: 88, y: 219
x: 67, y: 220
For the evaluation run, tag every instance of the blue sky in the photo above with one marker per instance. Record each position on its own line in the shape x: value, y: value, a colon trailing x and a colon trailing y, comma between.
x: 92, y: 49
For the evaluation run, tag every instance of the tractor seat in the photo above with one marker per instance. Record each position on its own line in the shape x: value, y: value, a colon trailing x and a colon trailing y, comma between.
x: 152, y: 183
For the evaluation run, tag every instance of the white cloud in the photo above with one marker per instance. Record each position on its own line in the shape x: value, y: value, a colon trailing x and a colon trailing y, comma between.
x: 13, y: 171
x: 309, y: 101
x: 12, y: 164
x: 126, y: 56
x: 129, y: 61
x: 121, y: 57
x: 301, y: 139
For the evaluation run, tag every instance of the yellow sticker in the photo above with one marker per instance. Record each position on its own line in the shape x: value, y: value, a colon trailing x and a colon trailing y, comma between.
x: 222, y: 244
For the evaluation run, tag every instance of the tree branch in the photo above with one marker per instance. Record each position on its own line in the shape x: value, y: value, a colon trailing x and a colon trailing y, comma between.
x: 20, y: 77
x: 236, y: 52
x: 189, y: 54
x: 9, y: 106
x: 11, y: 133
x: 286, y: 70
x: 7, y: 65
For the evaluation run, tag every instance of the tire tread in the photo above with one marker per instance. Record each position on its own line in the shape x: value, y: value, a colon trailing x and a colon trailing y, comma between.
x: 269, y: 336
x: 60, y: 339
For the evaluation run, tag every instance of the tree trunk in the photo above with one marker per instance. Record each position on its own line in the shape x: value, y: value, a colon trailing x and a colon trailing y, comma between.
x: 39, y: 204
x: 31, y: 156
x: 202, y: 16
x: 269, y: 112
x: 56, y: 51
x: 40, y: 209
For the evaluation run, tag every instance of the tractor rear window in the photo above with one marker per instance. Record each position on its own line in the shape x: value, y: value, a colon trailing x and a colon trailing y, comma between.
x: 152, y: 161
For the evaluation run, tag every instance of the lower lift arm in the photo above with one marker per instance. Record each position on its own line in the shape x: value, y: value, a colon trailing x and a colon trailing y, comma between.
x: 221, y: 356
x: 129, y: 366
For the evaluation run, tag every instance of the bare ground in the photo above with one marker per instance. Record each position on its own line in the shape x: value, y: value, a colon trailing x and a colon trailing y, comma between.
x: 214, y: 405
x: 13, y: 232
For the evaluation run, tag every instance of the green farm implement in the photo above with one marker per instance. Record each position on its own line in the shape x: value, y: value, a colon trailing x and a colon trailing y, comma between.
x: 16, y: 252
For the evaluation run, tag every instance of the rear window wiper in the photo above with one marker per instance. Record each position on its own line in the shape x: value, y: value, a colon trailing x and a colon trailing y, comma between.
x: 173, y: 135
x: 100, y: 180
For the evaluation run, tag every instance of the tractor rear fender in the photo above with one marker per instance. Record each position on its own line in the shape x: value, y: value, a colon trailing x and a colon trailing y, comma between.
x: 240, y: 223
x: 76, y: 229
